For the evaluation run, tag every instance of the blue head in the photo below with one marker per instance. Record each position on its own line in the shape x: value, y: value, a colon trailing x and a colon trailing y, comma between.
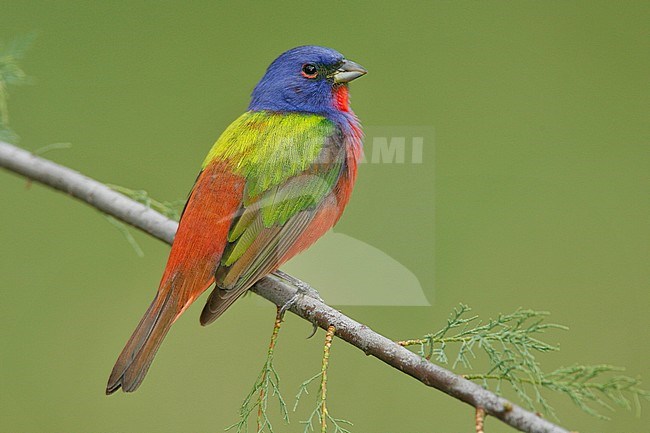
x: 306, y: 79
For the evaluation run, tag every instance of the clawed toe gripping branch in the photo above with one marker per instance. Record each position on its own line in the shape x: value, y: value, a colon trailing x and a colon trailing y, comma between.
x: 513, y: 366
x: 508, y: 342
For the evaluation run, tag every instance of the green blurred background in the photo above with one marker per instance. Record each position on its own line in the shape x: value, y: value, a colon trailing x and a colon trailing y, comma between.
x: 534, y: 193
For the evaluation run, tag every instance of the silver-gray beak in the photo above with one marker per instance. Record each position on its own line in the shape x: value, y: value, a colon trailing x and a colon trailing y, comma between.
x: 348, y: 71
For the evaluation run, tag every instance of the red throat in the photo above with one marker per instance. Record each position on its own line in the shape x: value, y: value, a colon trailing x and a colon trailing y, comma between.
x: 342, y: 97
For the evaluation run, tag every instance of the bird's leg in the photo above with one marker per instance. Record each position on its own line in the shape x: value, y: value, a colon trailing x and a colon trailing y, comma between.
x: 302, y: 289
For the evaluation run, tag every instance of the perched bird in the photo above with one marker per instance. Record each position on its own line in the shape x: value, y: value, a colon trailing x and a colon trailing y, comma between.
x: 275, y: 181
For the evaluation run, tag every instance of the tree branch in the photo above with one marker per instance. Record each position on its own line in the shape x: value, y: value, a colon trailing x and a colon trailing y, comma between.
x: 278, y: 290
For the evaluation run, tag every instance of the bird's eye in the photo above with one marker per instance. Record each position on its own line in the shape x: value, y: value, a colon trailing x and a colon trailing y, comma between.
x: 309, y: 71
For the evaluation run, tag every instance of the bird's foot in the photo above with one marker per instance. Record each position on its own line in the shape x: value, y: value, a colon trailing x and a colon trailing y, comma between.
x: 302, y: 289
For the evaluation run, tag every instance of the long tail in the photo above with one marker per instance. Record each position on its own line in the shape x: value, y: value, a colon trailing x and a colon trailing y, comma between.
x: 136, y: 357
x: 201, y: 237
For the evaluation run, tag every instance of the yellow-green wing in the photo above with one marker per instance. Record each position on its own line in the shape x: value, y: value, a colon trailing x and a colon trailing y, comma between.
x: 277, y: 207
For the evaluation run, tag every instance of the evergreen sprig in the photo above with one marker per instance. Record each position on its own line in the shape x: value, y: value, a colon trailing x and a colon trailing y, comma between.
x: 510, y: 343
x: 11, y: 74
x: 267, y: 384
x: 316, y: 415
x: 171, y: 209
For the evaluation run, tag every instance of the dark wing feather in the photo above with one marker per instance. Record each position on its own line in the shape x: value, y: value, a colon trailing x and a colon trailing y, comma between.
x: 267, y: 228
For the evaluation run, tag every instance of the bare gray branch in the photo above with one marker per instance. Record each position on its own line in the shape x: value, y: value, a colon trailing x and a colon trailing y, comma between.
x: 278, y: 291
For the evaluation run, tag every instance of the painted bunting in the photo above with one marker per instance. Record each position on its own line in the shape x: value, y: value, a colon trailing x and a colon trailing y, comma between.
x: 275, y: 181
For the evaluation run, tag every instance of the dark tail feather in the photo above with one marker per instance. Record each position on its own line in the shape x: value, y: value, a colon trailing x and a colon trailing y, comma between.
x: 136, y: 357
x: 217, y: 303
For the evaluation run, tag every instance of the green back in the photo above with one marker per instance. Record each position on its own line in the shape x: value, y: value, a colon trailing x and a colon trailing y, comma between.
x: 290, y: 161
x: 268, y: 148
